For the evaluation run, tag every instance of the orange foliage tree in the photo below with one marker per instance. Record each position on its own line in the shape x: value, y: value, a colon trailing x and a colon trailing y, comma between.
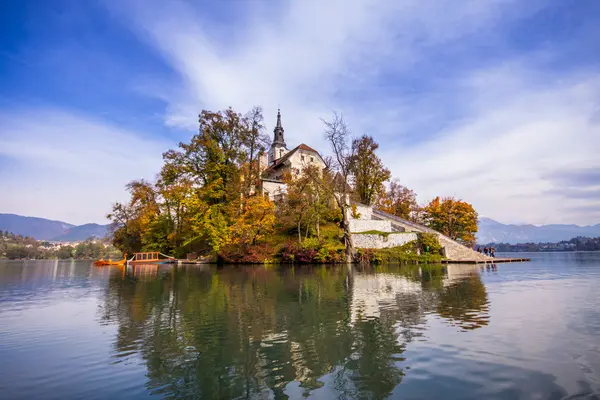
x: 454, y: 218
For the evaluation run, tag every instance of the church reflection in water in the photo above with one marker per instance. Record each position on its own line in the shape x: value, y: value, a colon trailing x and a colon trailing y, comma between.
x: 252, y: 331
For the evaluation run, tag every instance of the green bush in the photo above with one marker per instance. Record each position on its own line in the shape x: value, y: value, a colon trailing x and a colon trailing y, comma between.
x: 330, y: 253
x: 428, y: 243
x: 311, y: 243
x: 402, y: 254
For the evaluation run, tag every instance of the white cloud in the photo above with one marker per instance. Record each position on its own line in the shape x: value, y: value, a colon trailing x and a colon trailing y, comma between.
x: 517, y: 135
x: 70, y: 167
x: 300, y: 54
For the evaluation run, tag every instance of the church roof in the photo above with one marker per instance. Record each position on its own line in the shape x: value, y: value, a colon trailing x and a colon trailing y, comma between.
x: 307, y: 148
x: 280, y: 161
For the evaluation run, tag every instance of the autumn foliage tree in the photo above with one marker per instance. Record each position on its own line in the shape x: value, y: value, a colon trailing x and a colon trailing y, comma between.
x: 454, y: 218
x: 132, y: 221
x: 398, y: 200
x: 205, y: 187
x: 367, y: 170
x: 255, y: 222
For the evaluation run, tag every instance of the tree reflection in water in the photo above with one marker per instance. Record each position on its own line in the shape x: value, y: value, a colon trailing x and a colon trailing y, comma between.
x: 248, y: 332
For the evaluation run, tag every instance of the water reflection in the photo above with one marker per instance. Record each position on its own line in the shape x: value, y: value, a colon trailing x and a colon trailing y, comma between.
x: 252, y: 332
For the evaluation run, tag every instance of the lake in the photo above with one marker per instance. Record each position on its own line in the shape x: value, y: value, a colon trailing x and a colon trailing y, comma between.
x: 69, y: 330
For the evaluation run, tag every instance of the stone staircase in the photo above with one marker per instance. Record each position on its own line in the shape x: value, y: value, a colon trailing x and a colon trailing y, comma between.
x: 457, y: 252
x: 453, y: 250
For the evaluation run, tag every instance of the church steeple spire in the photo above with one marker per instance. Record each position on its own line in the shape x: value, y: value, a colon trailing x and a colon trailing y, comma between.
x: 279, y: 119
x: 278, y: 147
x: 278, y: 132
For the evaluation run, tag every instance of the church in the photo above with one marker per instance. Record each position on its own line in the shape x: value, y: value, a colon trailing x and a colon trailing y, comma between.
x: 280, y: 161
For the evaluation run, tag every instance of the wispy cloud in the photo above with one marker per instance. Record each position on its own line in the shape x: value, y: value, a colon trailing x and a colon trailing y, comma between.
x: 577, y: 178
x: 69, y: 166
x: 309, y: 56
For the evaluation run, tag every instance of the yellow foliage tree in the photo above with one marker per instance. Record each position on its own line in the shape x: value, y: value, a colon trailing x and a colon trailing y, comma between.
x: 367, y: 170
x: 255, y: 222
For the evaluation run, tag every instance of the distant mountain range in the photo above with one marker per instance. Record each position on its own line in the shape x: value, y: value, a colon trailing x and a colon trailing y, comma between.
x: 491, y: 231
x: 45, y: 229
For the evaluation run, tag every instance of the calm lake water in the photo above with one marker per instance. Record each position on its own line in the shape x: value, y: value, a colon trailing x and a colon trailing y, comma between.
x: 69, y: 330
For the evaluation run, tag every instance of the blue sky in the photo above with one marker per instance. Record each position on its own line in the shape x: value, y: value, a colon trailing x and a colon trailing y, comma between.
x: 496, y: 102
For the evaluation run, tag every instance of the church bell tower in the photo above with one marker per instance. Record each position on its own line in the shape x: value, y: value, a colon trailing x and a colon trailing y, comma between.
x: 278, y: 147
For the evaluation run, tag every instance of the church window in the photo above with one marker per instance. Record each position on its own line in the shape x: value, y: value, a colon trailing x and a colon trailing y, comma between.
x: 312, y: 159
x: 302, y: 158
x: 281, y: 153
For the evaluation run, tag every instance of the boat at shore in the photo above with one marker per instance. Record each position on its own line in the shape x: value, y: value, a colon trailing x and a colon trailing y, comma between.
x: 103, y: 263
x: 153, y: 257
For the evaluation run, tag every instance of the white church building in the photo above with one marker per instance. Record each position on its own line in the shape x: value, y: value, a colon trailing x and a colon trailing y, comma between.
x: 280, y: 161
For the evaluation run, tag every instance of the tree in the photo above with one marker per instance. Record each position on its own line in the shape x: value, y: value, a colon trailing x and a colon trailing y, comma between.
x: 132, y: 223
x: 454, y: 218
x: 201, y: 190
x: 296, y: 203
x: 306, y: 203
x: 256, y: 143
x: 222, y: 159
x: 336, y: 180
x: 368, y: 172
x: 124, y: 229
x: 399, y: 201
x: 256, y: 221
x: 65, y: 252
x: 212, y: 159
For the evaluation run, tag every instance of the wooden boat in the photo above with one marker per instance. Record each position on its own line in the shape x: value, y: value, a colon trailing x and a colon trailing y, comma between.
x: 103, y: 263
x: 150, y: 258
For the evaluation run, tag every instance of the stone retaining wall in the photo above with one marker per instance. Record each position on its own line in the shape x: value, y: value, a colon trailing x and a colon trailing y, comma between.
x: 363, y: 225
x: 376, y: 241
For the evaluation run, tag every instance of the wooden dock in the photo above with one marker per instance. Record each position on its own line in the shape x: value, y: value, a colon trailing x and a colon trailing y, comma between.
x: 194, y: 262
x: 202, y: 260
x: 489, y: 261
